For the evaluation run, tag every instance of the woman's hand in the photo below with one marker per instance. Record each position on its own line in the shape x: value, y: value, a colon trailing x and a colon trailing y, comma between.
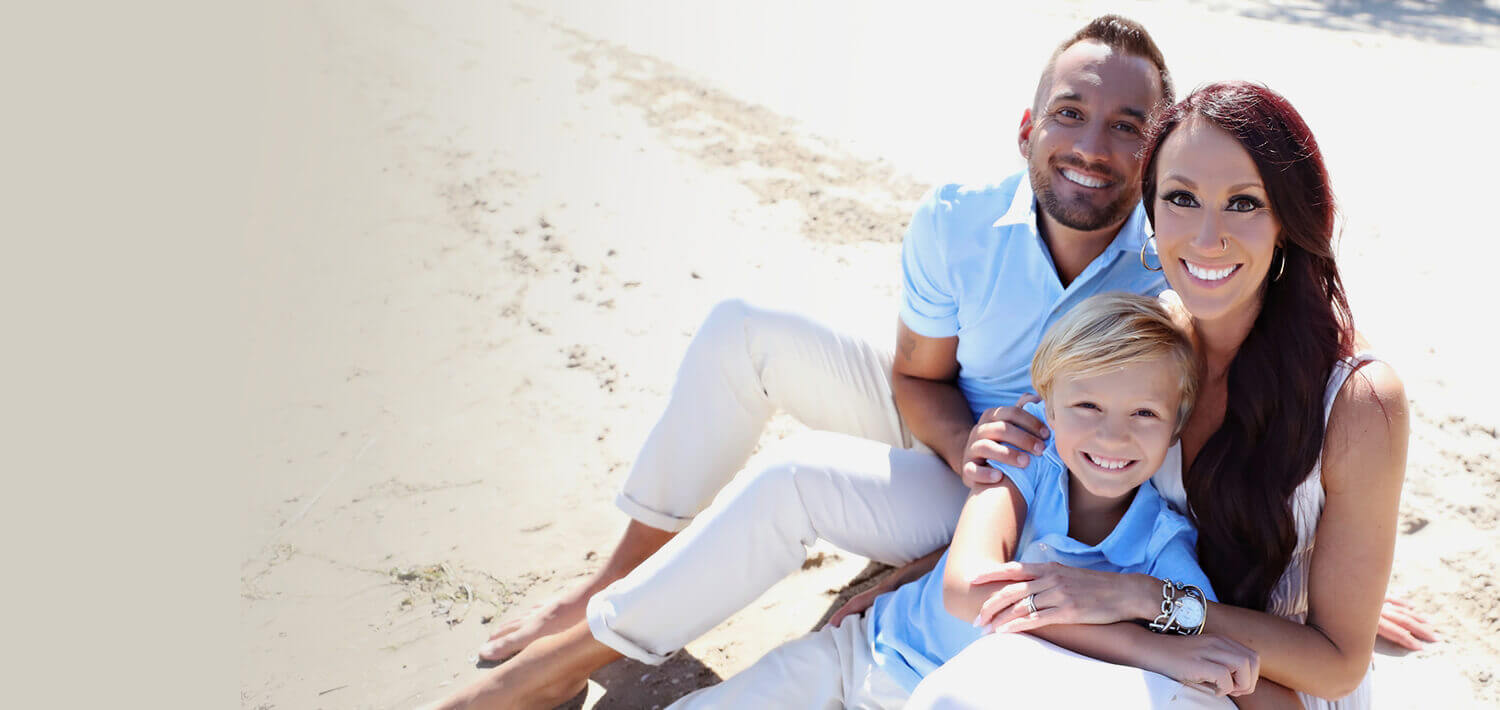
x: 1400, y: 624
x: 1064, y: 595
x: 1003, y: 434
x: 1217, y: 664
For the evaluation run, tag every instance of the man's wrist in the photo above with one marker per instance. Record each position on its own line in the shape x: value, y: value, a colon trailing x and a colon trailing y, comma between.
x: 954, y: 453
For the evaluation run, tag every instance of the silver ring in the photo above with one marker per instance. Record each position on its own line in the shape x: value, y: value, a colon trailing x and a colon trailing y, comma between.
x: 1223, y: 245
x: 1030, y: 604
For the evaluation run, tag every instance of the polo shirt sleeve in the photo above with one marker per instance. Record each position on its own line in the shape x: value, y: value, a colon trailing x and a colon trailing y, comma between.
x: 1177, y: 560
x: 1038, y: 469
x: 1026, y: 479
x: 929, y: 306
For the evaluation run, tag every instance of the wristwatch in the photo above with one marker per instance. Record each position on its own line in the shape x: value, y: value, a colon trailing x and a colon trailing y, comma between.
x: 1184, y: 609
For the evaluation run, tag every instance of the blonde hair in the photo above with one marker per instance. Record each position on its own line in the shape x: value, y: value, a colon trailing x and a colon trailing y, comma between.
x: 1111, y: 331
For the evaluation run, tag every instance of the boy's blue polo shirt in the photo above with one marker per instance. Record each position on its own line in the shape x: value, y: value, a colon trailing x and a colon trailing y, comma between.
x: 913, y: 634
x: 974, y: 265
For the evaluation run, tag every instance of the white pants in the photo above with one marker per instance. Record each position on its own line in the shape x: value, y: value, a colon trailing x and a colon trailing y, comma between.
x: 828, y: 669
x: 1020, y: 670
x: 860, y: 489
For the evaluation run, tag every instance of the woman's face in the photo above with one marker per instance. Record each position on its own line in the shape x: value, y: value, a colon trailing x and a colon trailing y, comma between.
x: 1214, y: 228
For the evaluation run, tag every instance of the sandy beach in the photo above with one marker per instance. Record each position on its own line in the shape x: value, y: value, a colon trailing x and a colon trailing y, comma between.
x: 484, y: 235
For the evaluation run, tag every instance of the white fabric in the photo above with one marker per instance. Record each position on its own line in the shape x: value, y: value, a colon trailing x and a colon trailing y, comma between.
x: 743, y: 365
x: 1289, y: 597
x: 1022, y: 671
x: 888, y: 504
x: 828, y: 669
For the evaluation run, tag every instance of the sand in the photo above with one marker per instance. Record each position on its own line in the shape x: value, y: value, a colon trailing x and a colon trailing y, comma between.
x: 484, y: 235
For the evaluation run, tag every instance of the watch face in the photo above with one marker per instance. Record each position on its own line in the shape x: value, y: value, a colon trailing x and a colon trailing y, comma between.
x: 1190, y: 614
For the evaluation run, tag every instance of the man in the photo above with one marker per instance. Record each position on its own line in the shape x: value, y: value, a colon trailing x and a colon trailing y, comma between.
x: 985, y: 271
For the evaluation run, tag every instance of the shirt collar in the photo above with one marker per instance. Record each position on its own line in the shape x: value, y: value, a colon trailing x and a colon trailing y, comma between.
x: 1022, y: 213
x: 1125, y: 546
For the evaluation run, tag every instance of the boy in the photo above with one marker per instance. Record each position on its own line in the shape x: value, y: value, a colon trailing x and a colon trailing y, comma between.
x: 1118, y: 378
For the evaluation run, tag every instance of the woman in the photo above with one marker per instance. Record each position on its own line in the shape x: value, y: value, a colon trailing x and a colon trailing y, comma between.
x: 1294, y: 487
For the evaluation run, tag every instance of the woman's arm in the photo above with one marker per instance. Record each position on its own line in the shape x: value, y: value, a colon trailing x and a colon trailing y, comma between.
x: 987, y: 535
x: 1364, y: 464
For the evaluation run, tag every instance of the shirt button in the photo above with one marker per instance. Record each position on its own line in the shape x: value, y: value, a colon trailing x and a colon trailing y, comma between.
x: 1042, y: 547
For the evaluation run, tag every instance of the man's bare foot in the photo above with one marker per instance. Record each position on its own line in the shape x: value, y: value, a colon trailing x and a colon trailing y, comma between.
x: 542, y: 676
x: 566, y: 610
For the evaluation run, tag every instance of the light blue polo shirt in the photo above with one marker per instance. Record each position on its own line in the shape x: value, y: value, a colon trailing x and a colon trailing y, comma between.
x: 912, y: 633
x: 974, y: 265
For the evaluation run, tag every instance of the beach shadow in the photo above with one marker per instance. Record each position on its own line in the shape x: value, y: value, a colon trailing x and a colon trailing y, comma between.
x: 632, y: 685
x: 1459, y: 22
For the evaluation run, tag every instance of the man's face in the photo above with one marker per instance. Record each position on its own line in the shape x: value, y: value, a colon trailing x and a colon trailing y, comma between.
x: 1082, y: 142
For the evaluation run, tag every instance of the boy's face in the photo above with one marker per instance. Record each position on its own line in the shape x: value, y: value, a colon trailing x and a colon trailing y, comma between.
x: 1113, y: 430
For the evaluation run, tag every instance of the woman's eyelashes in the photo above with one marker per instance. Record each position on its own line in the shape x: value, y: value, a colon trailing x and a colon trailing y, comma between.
x: 1238, y: 203
x: 1244, y: 203
x: 1180, y: 198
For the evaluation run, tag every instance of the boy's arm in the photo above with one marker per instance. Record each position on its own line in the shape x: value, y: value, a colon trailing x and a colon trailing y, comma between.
x: 988, y: 530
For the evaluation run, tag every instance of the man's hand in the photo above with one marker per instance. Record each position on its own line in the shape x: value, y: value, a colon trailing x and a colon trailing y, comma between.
x: 897, y: 577
x: 856, y: 604
x: 1006, y: 434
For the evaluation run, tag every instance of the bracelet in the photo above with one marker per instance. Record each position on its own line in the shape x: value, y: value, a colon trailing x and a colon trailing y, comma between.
x: 1185, y: 613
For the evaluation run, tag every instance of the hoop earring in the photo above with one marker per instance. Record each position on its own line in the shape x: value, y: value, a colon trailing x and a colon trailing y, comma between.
x: 1282, y: 268
x: 1151, y: 241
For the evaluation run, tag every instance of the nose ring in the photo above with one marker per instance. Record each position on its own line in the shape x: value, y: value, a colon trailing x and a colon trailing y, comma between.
x: 1223, y: 245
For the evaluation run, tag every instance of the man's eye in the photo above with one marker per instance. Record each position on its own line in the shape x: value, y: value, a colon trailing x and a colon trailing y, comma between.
x: 1071, y: 113
x: 1180, y: 198
x: 1127, y: 128
x: 1245, y: 204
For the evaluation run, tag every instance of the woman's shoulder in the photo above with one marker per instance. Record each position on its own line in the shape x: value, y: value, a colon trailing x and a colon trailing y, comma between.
x: 1368, y: 425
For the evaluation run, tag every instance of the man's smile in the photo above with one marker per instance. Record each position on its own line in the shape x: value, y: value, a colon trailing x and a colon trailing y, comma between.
x: 1079, y: 178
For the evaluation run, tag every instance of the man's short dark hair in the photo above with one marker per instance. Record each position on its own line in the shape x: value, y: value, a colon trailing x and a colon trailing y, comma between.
x: 1121, y: 34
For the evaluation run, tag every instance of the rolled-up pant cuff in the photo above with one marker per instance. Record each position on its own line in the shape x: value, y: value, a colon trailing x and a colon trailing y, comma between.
x: 647, y: 516
x: 599, y: 614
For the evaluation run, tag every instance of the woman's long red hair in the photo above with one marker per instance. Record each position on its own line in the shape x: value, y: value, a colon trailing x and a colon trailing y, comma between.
x: 1240, y: 486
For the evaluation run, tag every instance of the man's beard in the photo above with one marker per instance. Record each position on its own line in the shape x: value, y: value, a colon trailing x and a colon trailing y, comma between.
x: 1083, y: 217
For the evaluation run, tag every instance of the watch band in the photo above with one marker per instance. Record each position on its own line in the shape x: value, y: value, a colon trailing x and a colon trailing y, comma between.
x: 1173, y: 594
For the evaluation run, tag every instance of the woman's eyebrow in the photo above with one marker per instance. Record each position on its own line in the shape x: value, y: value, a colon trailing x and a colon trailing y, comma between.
x: 1181, y: 179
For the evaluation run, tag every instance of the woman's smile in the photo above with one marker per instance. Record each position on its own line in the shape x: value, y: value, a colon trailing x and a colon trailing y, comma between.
x: 1209, y: 275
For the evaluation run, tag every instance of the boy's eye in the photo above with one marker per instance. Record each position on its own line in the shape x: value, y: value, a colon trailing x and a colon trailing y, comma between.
x: 1181, y: 198
x: 1086, y: 405
x: 1145, y: 413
